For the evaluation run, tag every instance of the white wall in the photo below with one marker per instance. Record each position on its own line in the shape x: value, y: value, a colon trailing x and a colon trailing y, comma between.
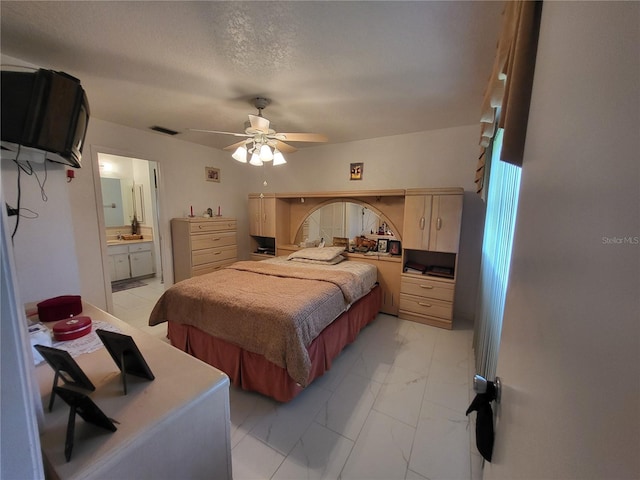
x: 44, y: 243
x: 570, y: 350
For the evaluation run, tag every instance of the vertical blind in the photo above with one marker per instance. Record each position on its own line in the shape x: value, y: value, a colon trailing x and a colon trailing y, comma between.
x: 502, y: 202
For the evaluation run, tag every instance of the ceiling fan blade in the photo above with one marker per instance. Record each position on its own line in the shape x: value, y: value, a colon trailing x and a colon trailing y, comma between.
x: 223, y: 133
x: 258, y: 123
x: 284, y: 148
x: 235, y: 145
x: 302, y: 137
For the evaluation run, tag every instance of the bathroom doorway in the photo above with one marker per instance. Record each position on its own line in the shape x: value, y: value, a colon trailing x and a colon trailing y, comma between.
x: 130, y: 204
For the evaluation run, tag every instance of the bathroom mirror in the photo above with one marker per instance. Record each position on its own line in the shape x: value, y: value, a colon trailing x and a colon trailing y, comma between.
x: 117, y: 201
x: 341, y: 219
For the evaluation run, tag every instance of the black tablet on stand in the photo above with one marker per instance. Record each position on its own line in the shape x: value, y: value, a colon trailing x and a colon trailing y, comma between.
x: 125, y: 353
x: 82, y: 405
x: 65, y: 368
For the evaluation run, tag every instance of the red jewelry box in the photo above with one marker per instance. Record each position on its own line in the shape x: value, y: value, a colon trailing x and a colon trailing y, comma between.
x: 72, y: 328
x: 57, y: 308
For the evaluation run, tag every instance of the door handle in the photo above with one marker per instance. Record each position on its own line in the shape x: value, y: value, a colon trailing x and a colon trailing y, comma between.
x: 482, y: 385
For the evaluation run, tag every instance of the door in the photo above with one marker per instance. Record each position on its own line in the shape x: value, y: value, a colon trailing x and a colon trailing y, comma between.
x: 121, y: 267
x: 569, y: 353
x: 139, y: 179
x: 255, y: 216
x: 446, y: 218
x: 269, y: 217
x: 417, y: 219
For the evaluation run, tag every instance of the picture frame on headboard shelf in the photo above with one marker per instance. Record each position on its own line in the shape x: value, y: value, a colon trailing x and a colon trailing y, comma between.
x: 383, y: 245
x: 395, y: 248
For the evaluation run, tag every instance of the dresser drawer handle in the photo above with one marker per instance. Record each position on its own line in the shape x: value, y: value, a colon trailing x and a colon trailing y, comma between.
x: 215, y: 239
x: 217, y: 253
x: 424, y: 304
x: 426, y: 286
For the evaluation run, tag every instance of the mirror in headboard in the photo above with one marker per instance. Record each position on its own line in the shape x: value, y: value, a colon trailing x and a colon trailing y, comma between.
x: 343, y: 219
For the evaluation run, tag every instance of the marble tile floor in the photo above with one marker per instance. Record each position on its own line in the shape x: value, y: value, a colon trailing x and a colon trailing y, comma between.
x: 391, y: 407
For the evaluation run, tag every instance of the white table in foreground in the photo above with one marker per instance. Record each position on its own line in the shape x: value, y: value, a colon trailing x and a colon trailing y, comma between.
x: 176, y: 426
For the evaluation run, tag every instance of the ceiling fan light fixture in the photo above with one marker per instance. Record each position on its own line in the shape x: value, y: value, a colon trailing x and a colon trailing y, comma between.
x: 261, y: 139
x: 266, y: 155
x: 255, y: 159
x: 240, y: 154
x: 278, y: 158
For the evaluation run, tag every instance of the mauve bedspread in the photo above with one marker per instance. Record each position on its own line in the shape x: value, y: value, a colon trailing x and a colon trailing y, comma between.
x: 266, y: 308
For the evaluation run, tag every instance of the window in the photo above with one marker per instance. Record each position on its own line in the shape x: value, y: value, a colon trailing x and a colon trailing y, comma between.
x: 502, y: 206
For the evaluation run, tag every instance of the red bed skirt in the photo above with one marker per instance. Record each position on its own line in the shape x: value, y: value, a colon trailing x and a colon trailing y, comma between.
x: 251, y: 371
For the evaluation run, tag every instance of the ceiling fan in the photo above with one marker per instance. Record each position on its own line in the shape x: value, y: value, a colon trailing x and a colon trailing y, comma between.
x: 262, y: 143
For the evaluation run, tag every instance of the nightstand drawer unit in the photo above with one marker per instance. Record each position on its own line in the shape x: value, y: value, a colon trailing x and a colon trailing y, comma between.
x: 427, y: 300
x: 202, y: 245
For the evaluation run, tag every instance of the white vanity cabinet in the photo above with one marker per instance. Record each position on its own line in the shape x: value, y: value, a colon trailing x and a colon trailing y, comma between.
x: 119, y: 268
x: 130, y: 260
x: 141, y: 259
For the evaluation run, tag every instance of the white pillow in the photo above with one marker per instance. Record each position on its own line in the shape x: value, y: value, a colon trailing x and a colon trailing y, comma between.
x: 324, y: 253
x: 333, y: 261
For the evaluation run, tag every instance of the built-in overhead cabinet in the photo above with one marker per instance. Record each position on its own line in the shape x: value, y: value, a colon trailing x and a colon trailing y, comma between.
x: 432, y: 220
x: 262, y: 215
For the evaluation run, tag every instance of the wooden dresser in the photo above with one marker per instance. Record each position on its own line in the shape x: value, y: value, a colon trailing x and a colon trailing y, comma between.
x: 202, y: 245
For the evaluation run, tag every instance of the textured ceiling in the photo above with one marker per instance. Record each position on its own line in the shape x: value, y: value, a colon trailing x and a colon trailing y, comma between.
x: 350, y: 70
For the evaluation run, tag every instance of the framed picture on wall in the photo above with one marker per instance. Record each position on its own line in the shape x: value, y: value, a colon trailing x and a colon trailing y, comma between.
x: 355, y: 171
x: 212, y: 174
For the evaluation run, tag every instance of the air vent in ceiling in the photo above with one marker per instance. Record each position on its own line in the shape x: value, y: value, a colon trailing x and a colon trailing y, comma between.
x: 166, y: 131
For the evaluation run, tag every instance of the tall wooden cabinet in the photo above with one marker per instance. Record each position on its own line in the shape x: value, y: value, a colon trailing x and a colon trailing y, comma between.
x: 262, y: 225
x: 431, y: 237
x: 262, y: 215
x: 202, y: 245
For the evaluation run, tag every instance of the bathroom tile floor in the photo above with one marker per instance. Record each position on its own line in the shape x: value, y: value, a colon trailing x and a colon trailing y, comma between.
x: 391, y: 407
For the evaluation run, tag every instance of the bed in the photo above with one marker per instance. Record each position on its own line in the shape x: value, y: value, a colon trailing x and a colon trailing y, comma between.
x: 272, y: 326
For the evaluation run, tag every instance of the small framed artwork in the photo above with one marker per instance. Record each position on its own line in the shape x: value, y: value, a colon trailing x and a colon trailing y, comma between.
x: 212, y: 174
x: 394, y: 247
x: 126, y: 355
x: 383, y: 245
x: 356, y: 171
